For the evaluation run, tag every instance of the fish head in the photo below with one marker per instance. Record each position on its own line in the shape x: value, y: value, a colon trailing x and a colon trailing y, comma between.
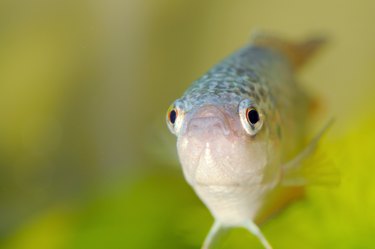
x: 224, y: 144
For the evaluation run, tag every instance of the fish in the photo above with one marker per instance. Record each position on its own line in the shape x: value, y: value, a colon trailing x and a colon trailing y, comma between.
x: 241, y: 133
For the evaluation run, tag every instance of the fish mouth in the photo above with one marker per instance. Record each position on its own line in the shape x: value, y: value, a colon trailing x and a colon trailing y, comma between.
x: 209, y: 120
x: 215, y: 152
x: 208, y: 185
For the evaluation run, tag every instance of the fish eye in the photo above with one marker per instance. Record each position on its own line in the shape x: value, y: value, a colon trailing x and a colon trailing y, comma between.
x: 252, y: 115
x: 174, y: 118
x: 251, y: 118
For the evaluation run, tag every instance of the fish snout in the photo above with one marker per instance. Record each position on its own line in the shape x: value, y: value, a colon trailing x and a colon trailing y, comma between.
x: 208, y: 121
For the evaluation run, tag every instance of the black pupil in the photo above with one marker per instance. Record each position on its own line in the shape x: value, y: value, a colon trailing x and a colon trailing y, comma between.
x: 172, y: 116
x: 253, y: 116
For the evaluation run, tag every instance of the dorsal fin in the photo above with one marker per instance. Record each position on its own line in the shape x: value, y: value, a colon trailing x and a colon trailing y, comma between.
x: 298, y: 53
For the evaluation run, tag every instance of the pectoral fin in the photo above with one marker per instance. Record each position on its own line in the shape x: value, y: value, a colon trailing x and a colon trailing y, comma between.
x: 310, y: 167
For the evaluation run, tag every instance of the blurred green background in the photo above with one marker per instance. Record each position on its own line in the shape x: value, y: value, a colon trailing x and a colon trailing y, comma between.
x: 85, y: 158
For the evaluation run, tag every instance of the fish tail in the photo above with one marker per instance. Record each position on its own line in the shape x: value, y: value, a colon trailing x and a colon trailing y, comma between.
x: 298, y: 53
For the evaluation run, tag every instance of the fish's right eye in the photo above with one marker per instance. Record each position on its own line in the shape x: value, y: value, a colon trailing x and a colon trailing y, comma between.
x: 174, y: 118
x: 172, y: 115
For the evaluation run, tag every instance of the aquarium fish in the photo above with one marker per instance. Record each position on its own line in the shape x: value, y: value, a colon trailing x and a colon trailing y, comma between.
x: 241, y: 130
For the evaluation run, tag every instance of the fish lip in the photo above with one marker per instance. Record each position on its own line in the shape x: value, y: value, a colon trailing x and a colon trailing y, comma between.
x: 229, y: 184
x: 224, y: 127
x: 224, y: 185
x: 200, y: 184
x: 209, y: 114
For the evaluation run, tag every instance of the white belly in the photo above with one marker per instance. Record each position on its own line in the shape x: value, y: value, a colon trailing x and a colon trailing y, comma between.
x: 233, y: 205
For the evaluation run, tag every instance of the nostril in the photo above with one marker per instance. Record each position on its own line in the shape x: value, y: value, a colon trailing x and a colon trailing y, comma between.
x: 218, y: 125
x: 193, y: 126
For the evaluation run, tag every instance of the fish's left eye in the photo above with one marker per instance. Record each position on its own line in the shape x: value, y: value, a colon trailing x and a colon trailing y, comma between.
x: 251, y: 118
x: 252, y: 115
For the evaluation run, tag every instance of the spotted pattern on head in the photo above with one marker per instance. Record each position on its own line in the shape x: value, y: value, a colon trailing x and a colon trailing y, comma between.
x: 243, y: 75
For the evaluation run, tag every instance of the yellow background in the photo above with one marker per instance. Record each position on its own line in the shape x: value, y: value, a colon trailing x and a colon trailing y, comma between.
x: 86, y: 160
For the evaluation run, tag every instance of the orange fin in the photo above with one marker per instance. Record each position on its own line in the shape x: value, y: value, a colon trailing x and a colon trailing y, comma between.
x: 297, y: 53
x: 278, y: 200
x: 310, y: 167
